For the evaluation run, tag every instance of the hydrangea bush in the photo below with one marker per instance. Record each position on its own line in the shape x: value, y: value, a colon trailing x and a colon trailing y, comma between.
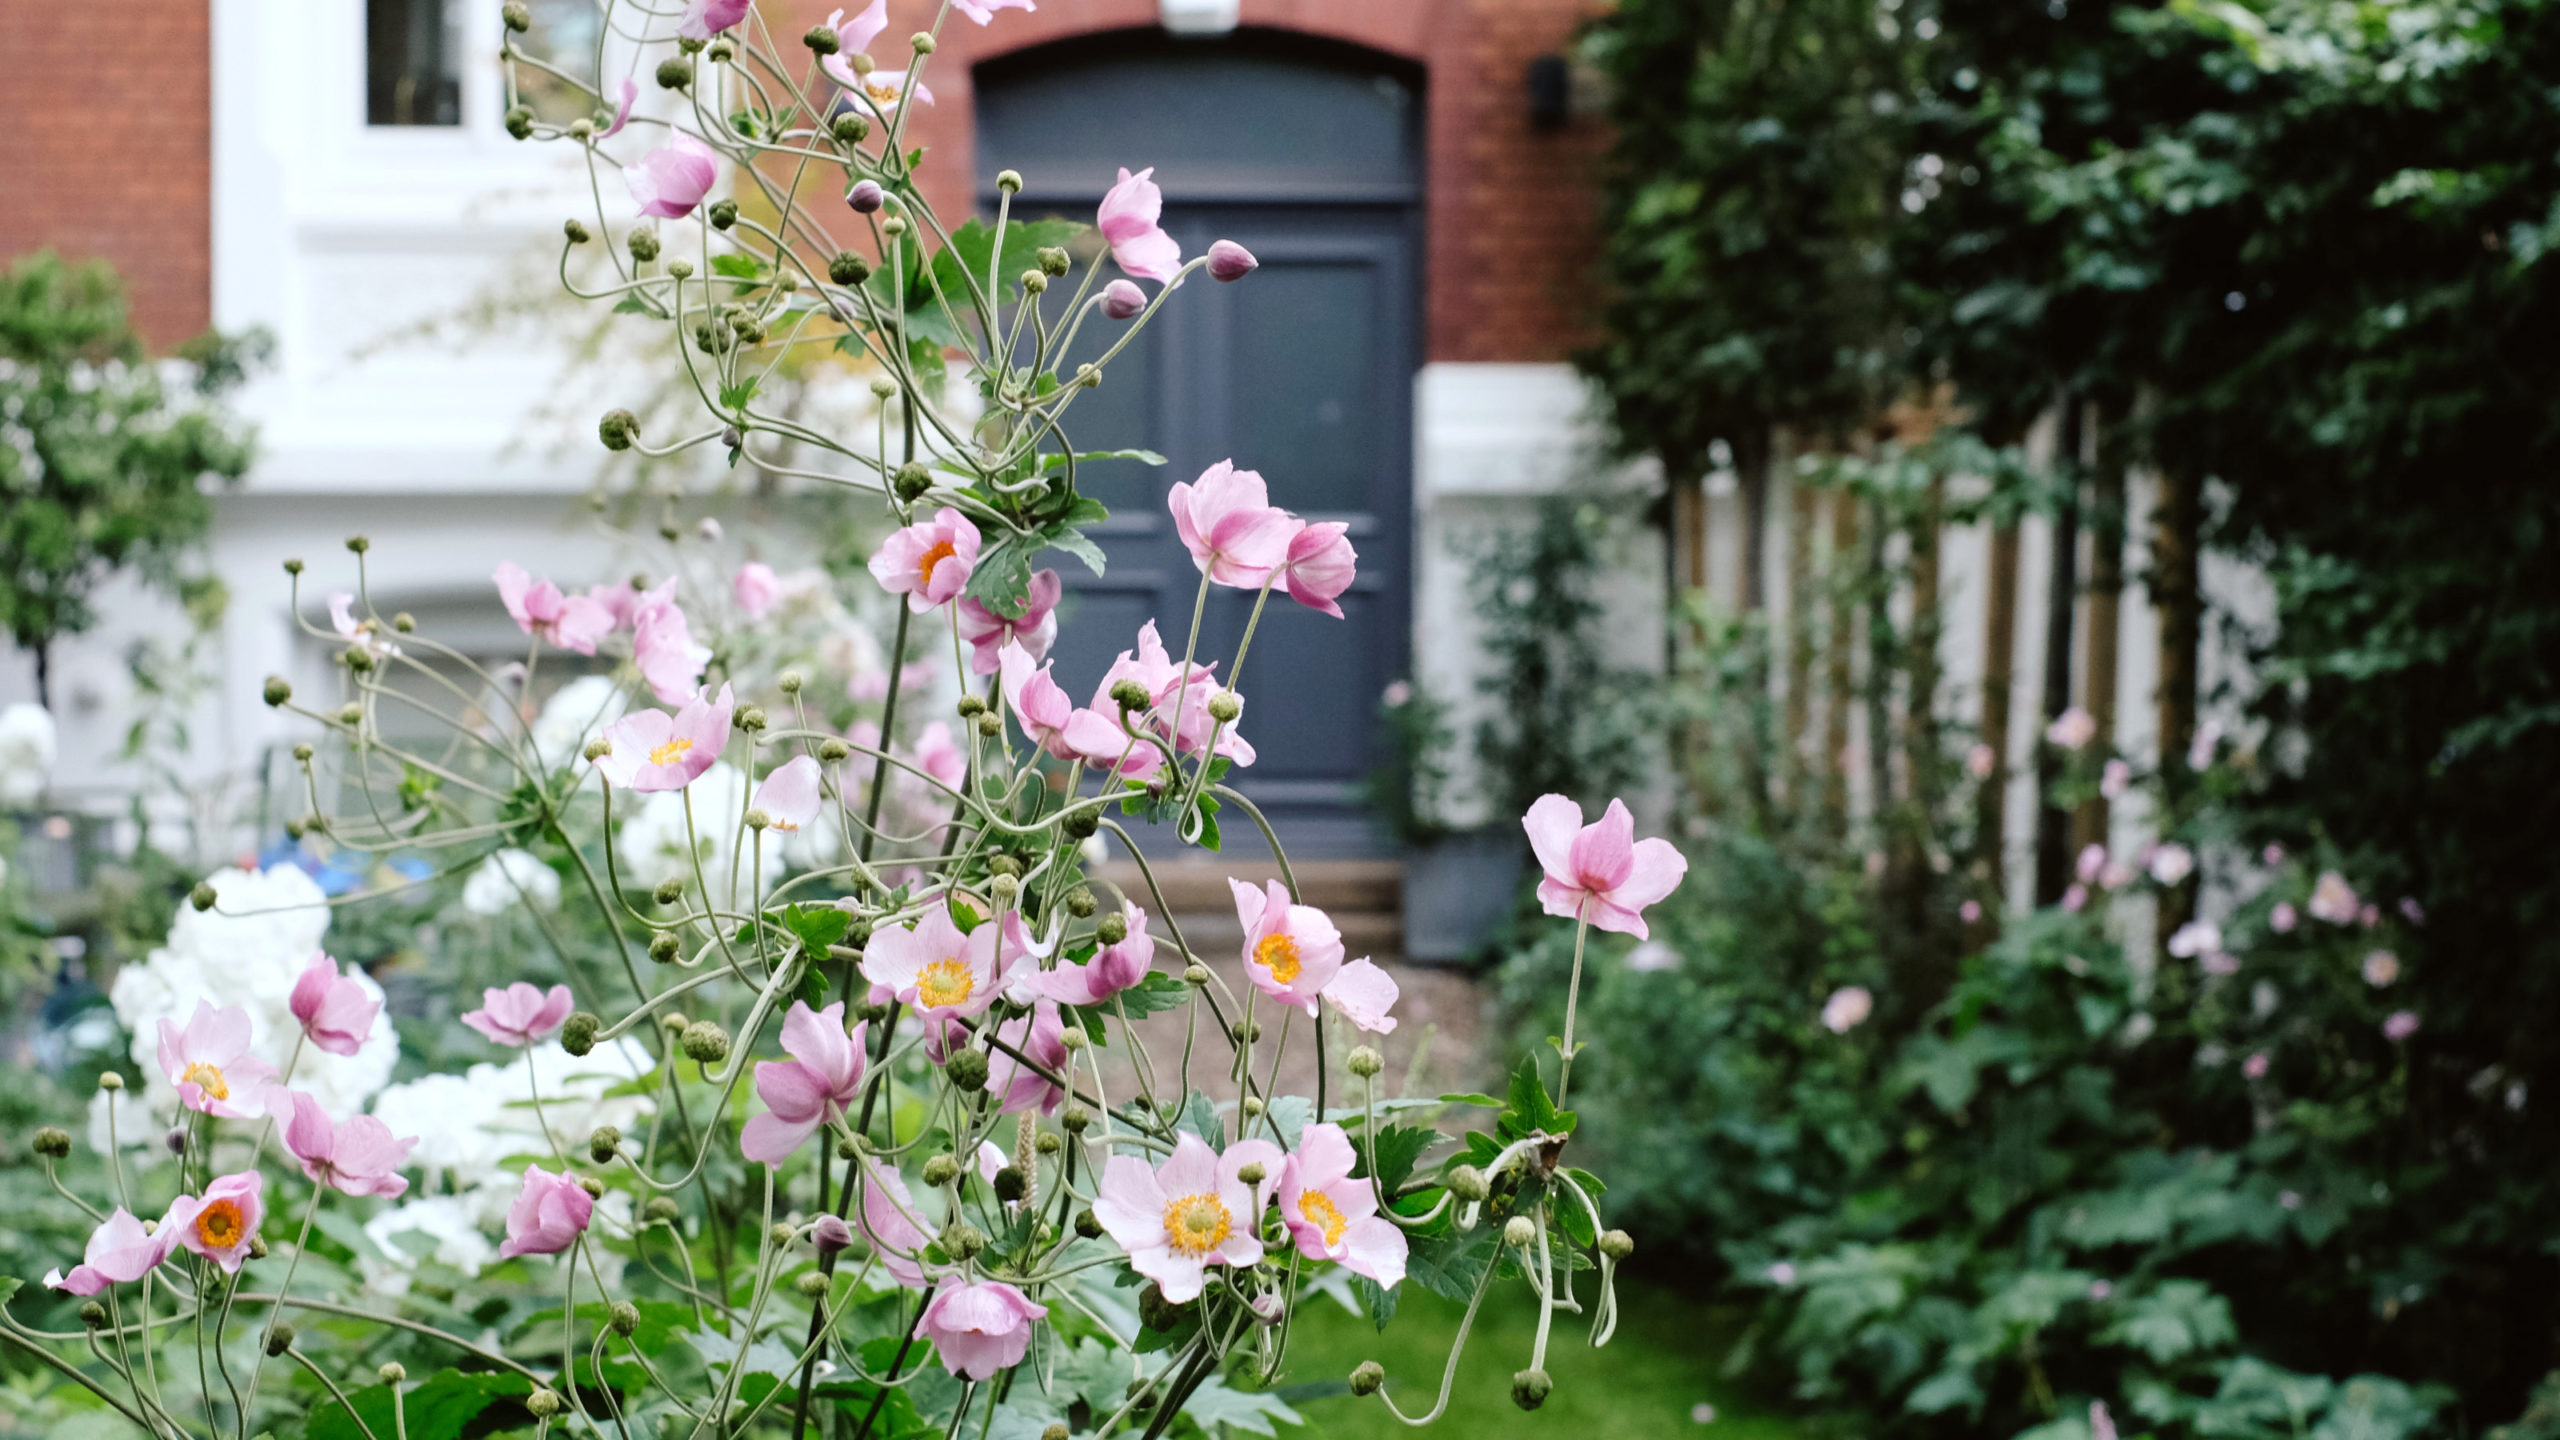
x: 852, y: 1128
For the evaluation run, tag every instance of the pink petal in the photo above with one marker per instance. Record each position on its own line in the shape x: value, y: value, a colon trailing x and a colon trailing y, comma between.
x: 1552, y: 823
x: 1604, y: 852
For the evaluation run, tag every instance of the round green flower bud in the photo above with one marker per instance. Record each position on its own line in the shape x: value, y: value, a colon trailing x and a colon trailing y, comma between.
x: 757, y: 819
x: 618, y: 428
x: 822, y: 40
x: 1048, y: 1144
x: 674, y: 73
x: 912, y: 481
x: 394, y: 1372
x: 279, y: 1338
x: 722, y: 214
x: 1364, y: 1061
x: 1080, y: 824
x: 1080, y: 903
x: 961, y: 1240
x: 1468, y: 1183
x: 578, y: 1034
x: 990, y: 725
x: 1529, y: 1389
x: 1054, y: 1431
x: 1074, y: 1039
x: 622, y: 1317
x: 94, y: 1315
x: 1129, y: 695
x: 813, y: 1284
x: 1074, y: 1118
x: 669, y: 891
x: 1253, y: 1103
x: 1142, y: 1396
x: 1088, y: 1224
x: 591, y: 1185
x: 967, y: 1069
x: 109, y: 1080
x: 1005, y: 889
x: 831, y: 750
x: 515, y: 16
x: 673, y: 1022
x: 543, y: 1403
x: 1009, y: 181
x: 404, y: 622
x: 1225, y: 706
x: 1240, y: 1032
x: 752, y: 718
x: 1010, y: 1186
x: 970, y: 707
x: 643, y: 244
x: 1251, y: 1172
x: 939, y: 1171
x: 661, y: 1210
x: 1195, y: 974
x: 791, y: 681
x: 848, y: 1146
x: 202, y: 897
x: 722, y: 51
x: 597, y: 749
x: 351, y: 713
x: 606, y: 1143
x: 1033, y: 282
x: 681, y: 269
x: 357, y: 658
x: 582, y: 128
x: 577, y: 233
x: 1004, y: 865
x: 278, y: 690
x: 302, y: 752
x: 52, y: 1142
x: 663, y: 947
x: 921, y: 42
x: 357, y: 544
x: 519, y: 122
x: 1053, y: 260
x: 1367, y: 1376
x: 851, y: 129
x: 706, y: 1042
x: 1617, y: 1244
x: 1519, y: 1232
x: 1157, y: 1313
x: 883, y: 388
x: 1111, y: 929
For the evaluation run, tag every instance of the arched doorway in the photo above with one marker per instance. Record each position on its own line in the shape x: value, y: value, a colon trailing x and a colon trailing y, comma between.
x: 1309, y: 154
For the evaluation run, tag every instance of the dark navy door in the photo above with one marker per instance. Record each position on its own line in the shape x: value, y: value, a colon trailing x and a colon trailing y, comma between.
x: 1308, y: 156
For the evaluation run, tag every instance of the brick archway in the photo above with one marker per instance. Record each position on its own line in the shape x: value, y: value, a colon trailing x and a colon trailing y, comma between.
x: 1507, y: 212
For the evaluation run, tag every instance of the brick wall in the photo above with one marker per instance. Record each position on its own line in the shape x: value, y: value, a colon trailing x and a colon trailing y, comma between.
x: 1510, y: 244
x: 108, y: 112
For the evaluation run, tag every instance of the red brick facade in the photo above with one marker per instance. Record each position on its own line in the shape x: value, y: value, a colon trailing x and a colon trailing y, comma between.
x: 108, y: 110
x: 1509, y: 208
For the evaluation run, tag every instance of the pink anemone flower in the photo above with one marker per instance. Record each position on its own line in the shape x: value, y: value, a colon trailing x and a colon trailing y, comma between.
x: 790, y: 796
x: 1043, y: 708
x: 572, y: 622
x: 342, y: 618
x: 520, y: 1014
x: 662, y: 646
x: 672, y: 179
x: 930, y: 561
x: 1291, y: 952
x: 979, y: 1330
x: 893, y: 1225
x: 933, y: 968
x: 220, y: 1224
x: 119, y: 1251
x: 1331, y: 1215
x: 816, y: 1085
x: 652, y: 750
x: 1230, y: 262
x: 1192, y: 1212
x: 1227, y: 521
x: 1599, y: 872
x: 336, y: 1013
x: 210, y: 1063
x: 1036, y: 630
x: 629, y: 92
x: 706, y: 18
x: 358, y: 1157
x: 1127, y: 220
x: 1112, y: 969
x: 1320, y: 565
x: 1042, y: 1036
x: 548, y: 1216
x: 756, y: 588
x: 1364, y: 994
x: 983, y: 11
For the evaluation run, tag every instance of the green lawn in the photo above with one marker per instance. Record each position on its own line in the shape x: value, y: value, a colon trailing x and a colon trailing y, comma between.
x: 1646, y: 1385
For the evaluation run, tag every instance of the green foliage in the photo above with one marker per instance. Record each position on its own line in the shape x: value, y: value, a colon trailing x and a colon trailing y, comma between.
x: 101, y: 467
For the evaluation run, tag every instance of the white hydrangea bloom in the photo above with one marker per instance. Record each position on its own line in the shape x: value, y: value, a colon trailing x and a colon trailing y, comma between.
x: 26, y: 754
x: 576, y: 713
x: 510, y: 878
x: 246, y: 951
x: 651, y: 845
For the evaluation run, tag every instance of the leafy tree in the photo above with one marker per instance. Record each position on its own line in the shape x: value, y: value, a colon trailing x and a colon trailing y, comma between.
x: 102, y: 467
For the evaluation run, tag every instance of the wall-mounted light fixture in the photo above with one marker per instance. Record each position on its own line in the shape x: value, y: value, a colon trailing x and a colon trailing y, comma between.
x: 1199, y: 17
x: 1550, y: 85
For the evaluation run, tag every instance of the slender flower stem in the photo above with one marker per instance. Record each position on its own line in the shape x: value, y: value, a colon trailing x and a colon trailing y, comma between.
x: 1572, y: 997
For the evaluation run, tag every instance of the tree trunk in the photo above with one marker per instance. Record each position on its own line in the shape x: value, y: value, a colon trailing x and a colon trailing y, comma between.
x: 2106, y: 586
x: 2053, y: 836
x: 1751, y: 468
x: 1836, y: 665
x: 1999, y: 678
x: 2176, y: 592
x: 1800, y: 592
x: 44, y: 674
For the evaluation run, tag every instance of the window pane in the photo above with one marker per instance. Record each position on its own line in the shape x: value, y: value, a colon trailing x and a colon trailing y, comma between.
x: 563, y: 36
x: 413, y: 62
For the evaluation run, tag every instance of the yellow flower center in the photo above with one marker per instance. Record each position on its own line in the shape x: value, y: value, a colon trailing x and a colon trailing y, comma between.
x: 218, y: 1224
x: 1197, y: 1224
x: 666, y: 754
x: 1317, y: 1209
x: 941, y: 550
x: 944, y: 983
x: 207, y: 1077
x: 1279, y: 955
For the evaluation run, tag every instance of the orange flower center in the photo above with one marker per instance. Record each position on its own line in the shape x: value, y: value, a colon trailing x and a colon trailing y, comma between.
x: 666, y: 754
x: 1279, y: 955
x: 1197, y: 1224
x: 945, y: 982
x: 886, y: 94
x: 1318, y: 1209
x: 940, y: 552
x: 206, y: 1076
x: 218, y: 1224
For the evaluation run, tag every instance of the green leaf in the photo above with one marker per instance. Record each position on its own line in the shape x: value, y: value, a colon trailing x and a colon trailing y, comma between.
x: 1377, y: 1300
x: 741, y: 267
x: 1450, y: 1265
x: 974, y: 242
x: 1390, y: 1154
x: 2178, y: 1318
x: 439, y: 1409
x: 1528, y: 1110
x: 1075, y: 543
x: 818, y: 926
x: 1200, y: 1117
x: 1159, y: 991
x: 1055, y: 461
x: 1472, y: 1098
x: 1217, y: 1403
x: 735, y: 397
